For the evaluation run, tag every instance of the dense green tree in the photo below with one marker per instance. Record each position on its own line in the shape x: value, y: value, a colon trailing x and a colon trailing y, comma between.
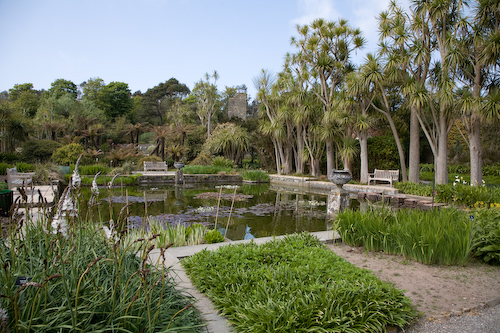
x: 91, y: 88
x: 115, y: 99
x: 24, y: 98
x: 158, y: 99
x: 62, y: 87
x: 16, y: 91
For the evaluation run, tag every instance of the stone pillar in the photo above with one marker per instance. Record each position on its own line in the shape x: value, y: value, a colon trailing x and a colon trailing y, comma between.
x: 337, y: 201
x: 179, y: 177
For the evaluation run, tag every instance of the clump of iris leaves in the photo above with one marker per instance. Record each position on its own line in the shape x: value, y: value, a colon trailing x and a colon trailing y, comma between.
x: 296, y: 284
x: 85, y: 282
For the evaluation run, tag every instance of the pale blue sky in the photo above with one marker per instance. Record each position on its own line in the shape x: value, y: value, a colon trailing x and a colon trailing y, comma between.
x: 146, y: 42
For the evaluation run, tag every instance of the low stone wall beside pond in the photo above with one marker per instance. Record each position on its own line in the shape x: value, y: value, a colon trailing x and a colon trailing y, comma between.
x: 188, y: 178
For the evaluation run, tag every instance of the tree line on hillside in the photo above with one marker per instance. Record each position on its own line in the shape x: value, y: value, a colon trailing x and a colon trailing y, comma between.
x: 430, y: 93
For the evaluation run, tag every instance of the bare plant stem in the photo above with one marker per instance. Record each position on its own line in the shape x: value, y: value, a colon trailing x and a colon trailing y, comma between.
x: 230, y: 212
x: 218, y: 205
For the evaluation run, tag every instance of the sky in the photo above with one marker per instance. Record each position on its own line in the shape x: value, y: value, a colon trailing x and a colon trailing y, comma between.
x: 146, y: 42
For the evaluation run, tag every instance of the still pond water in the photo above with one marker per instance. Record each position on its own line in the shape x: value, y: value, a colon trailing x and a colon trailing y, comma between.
x: 259, y: 210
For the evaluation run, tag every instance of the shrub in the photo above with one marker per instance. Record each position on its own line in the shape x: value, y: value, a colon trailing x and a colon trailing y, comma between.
x: 39, y: 150
x: 439, y: 236
x: 221, y: 161
x: 462, y: 194
x: 9, y: 157
x: 25, y: 167
x: 415, y: 189
x: 3, y: 168
x: 201, y: 169
x: 92, y: 169
x: 203, y: 158
x: 296, y: 284
x: 486, y: 234
x: 213, y: 236
x: 68, y: 154
x: 255, y: 175
x: 149, y: 158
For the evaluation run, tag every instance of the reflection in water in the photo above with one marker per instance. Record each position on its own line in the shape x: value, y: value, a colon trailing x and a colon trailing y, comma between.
x: 261, y: 211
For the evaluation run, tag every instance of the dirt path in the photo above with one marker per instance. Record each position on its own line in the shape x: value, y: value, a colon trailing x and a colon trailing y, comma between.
x: 436, y: 291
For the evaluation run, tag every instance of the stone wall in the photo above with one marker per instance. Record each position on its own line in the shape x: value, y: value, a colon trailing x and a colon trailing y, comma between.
x: 237, y: 107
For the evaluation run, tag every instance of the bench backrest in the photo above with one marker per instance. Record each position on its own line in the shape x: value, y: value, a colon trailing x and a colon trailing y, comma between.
x: 12, y: 172
x: 154, y: 165
x: 388, y: 174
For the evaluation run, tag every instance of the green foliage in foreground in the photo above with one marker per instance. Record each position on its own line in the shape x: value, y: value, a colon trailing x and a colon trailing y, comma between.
x: 457, y: 193
x: 205, y: 169
x: 486, y: 234
x: 255, y: 175
x: 439, y: 236
x: 296, y: 284
x: 83, y: 282
x: 415, y: 189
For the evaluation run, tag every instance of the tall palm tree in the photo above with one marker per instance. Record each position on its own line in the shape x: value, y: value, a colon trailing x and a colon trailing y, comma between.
x: 440, y: 20
x: 404, y: 42
x: 327, y: 48
x: 162, y: 133
x: 379, y: 80
x: 474, y: 55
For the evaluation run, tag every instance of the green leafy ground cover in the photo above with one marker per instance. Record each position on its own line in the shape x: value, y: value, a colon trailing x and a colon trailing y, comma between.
x: 296, y: 284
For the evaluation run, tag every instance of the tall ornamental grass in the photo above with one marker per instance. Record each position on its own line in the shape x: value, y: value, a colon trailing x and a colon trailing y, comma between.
x: 85, y: 282
x: 296, y: 284
x: 440, y: 237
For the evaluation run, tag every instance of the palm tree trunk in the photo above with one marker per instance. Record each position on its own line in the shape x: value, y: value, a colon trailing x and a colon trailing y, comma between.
x: 363, y: 143
x: 475, y: 151
x: 414, y: 163
x: 299, y: 158
x: 330, y: 156
x: 441, y: 160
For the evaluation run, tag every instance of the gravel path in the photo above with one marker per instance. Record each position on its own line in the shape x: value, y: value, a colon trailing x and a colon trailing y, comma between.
x: 483, y: 321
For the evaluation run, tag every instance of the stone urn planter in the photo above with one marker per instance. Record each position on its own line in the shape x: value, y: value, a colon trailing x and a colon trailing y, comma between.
x: 179, y: 165
x: 339, y: 177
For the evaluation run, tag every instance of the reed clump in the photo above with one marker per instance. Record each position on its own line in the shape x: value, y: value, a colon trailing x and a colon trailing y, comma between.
x: 86, y: 279
x: 440, y: 236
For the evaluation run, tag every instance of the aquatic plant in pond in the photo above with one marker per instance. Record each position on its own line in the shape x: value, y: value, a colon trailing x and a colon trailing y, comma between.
x: 257, y: 212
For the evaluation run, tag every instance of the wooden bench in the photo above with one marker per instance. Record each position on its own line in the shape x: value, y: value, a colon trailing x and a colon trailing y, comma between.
x: 19, y: 179
x: 155, y: 166
x: 383, y: 175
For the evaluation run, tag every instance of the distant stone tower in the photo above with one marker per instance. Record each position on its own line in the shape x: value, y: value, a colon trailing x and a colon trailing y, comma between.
x: 238, y: 104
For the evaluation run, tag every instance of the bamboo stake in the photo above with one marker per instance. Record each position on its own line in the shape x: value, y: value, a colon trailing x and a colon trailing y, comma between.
x: 230, y: 212
x: 126, y: 198
x: 218, y: 205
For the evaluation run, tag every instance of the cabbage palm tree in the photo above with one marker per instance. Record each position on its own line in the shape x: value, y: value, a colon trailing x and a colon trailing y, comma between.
x: 474, y: 55
x: 440, y: 20
x: 326, y: 48
x: 378, y: 80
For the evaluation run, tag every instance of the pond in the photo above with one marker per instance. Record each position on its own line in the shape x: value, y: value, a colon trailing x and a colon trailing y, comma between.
x: 258, y: 210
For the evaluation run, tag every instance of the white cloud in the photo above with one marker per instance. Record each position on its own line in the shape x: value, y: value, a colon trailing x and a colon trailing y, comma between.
x: 313, y: 9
